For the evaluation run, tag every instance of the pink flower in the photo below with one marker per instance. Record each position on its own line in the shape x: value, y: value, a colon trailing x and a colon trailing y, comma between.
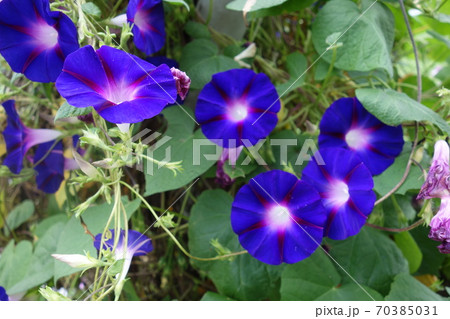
x: 437, y: 184
x: 183, y: 82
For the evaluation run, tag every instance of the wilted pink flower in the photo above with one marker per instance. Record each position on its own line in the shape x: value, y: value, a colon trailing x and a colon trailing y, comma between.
x: 183, y: 82
x: 440, y: 224
x: 437, y: 184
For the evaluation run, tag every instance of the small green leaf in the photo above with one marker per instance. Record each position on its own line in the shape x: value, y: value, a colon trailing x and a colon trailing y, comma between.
x: 296, y: 65
x: 19, y: 215
x: 66, y: 110
x: 394, y: 108
x: 239, y: 5
x: 197, y: 30
x: 91, y: 9
x: 367, y: 39
x: 116, y: 268
x: 410, y: 250
x: 212, y: 296
x: 179, y: 3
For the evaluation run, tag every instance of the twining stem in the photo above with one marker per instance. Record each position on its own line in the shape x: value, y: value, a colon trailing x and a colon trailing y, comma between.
x: 397, y: 230
x: 419, y: 99
x: 169, y: 233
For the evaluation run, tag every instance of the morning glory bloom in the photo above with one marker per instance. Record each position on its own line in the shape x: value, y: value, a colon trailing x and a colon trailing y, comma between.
x: 50, y: 170
x: 147, y: 17
x: 278, y: 218
x: 19, y: 138
x: 3, y: 295
x: 121, y: 87
x: 440, y: 225
x: 437, y: 184
x: 237, y: 107
x: 346, y: 123
x: 161, y: 59
x: 137, y: 245
x: 345, y: 184
x: 34, y: 40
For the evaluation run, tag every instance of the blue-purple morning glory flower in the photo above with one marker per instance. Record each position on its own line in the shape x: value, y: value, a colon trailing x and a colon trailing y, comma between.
x: 437, y: 184
x: 50, y: 170
x: 137, y: 245
x: 34, y: 40
x: 278, y: 218
x: 121, y: 87
x: 237, y: 107
x: 161, y: 59
x: 345, y: 184
x: 346, y: 123
x: 3, y: 295
x: 19, y: 138
x: 147, y: 17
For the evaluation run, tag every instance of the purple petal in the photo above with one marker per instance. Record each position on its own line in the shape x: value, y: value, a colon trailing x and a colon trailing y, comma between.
x: 278, y: 218
x: 138, y: 244
x: 3, y: 295
x: 14, y: 135
x: 50, y: 170
x: 148, y: 29
x: 346, y: 123
x: 440, y: 223
x: 121, y: 87
x: 345, y: 185
x: 237, y: 105
x: 35, y: 40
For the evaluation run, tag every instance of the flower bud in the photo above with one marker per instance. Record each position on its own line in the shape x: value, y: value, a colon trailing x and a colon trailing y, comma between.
x: 437, y: 184
x: 182, y: 81
x: 440, y: 223
x: 78, y: 261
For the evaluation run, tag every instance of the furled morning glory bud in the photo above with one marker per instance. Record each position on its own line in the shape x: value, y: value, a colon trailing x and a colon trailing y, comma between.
x: 346, y: 123
x: 147, y: 17
x: 3, y: 295
x: 137, y: 245
x: 437, y: 184
x: 182, y: 81
x: 34, y: 40
x: 121, y: 87
x: 78, y: 261
x: 440, y: 224
x: 345, y: 185
x: 19, y: 138
x: 278, y: 218
x: 238, y: 107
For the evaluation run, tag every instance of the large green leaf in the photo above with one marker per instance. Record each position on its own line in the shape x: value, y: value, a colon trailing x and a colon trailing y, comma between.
x: 394, y: 108
x: 200, y: 59
x: 182, y: 148
x: 243, y: 278
x: 371, y: 258
x: 316, y: 278
x: 407, y: 288
x: 14, y: 264
x: 366, y: 39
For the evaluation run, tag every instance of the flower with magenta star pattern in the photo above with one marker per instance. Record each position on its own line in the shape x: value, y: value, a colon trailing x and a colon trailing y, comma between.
x: 237, y: 107
x: 121, y: 87
x: 147, y: 17
x: 346, y: 123
x: 34, y: 40
x: 345, y: 185
x: 3, y: 295
x: 278, y: 218
x: 19, y: 138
